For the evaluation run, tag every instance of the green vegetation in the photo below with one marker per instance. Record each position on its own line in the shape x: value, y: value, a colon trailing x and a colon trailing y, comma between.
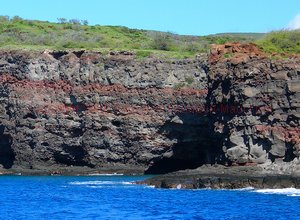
x: 71, y: 34
x: 227, y: 55
x: 189, y: 80
x: 16, y: 33
x: 76, y: 34
x: 281, y: 42
x: 143, y: 53
x: 179, y: 86
x: 234, y: 37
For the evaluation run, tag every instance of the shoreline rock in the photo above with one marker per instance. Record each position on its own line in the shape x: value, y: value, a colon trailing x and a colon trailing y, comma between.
x: 71, y: 171
x: 223, y: 182
x: 221, y: 177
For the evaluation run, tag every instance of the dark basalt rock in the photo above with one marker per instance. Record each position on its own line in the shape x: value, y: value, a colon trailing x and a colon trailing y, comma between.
x: 225, y: 182
x: 218, y: 177
x: 80, y: 110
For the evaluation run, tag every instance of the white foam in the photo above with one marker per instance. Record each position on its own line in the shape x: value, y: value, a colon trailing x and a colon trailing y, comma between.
x: 106, y: 174
x: 245, y: 189
x: 284, y: 191
x: 294, y: 195
x: 99, y: 183
x: 95, y: 187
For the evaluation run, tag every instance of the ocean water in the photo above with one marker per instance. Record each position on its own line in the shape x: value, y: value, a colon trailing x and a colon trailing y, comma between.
x: 116, y: 197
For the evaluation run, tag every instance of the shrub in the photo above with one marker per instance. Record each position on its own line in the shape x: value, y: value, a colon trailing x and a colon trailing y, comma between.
x: 4, y: 18
x: 62, y: 20
x: 85, y: 22
x: 17, y: 18
x: 143, y: 53
x: 192, y: 47
x: 161, y: 41
x: 281, y: 42
x: 75, y: 21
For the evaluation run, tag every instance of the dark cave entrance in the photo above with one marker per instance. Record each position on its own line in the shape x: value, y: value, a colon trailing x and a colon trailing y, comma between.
x: 71, y: 156
x: 196, y: 144
x: 7, y: 155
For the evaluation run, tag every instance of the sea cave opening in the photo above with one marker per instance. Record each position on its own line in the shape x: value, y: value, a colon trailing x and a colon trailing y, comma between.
x: 196, y: 144
x: 7, y: 155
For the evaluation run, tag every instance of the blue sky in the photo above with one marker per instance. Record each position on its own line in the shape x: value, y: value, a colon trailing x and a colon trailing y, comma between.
x: 194, y: 17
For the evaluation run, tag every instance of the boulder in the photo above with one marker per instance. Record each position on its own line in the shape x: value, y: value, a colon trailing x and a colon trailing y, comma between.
x: 237, y: 154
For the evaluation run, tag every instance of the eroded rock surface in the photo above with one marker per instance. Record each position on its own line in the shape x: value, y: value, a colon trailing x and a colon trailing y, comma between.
x: 257, y: 104
x: 79, y: 109
x: 104, y: 112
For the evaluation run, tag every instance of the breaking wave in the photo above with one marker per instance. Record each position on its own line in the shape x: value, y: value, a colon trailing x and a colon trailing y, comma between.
x: 93, y: 183
x: 106, y: 174
x: 285, y: 191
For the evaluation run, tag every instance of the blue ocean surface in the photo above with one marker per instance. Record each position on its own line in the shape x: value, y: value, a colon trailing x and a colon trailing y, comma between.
x: 116, y: 197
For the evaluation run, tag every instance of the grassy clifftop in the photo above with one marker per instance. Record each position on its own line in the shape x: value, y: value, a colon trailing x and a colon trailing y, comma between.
x: 36, y: 35
x: 281, y: 42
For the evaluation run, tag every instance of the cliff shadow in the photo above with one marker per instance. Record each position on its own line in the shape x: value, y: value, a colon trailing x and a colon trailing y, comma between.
x: 196, y: 144
x: 7, y: 155
x: 71, y: 156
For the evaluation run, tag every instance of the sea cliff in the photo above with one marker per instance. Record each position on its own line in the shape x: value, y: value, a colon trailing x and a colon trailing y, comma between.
x: 86, y: 112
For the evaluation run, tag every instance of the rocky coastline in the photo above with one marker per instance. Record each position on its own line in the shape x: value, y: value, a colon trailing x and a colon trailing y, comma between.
x: 265, y: 176
x: 82, y: 112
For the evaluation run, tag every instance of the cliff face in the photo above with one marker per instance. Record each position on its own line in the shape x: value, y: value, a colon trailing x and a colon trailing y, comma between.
x: 63, y: 109
x: 258, y: 101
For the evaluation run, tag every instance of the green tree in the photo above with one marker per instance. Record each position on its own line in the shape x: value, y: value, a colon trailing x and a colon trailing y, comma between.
x: 62, y: 20
x: 85, y: 22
